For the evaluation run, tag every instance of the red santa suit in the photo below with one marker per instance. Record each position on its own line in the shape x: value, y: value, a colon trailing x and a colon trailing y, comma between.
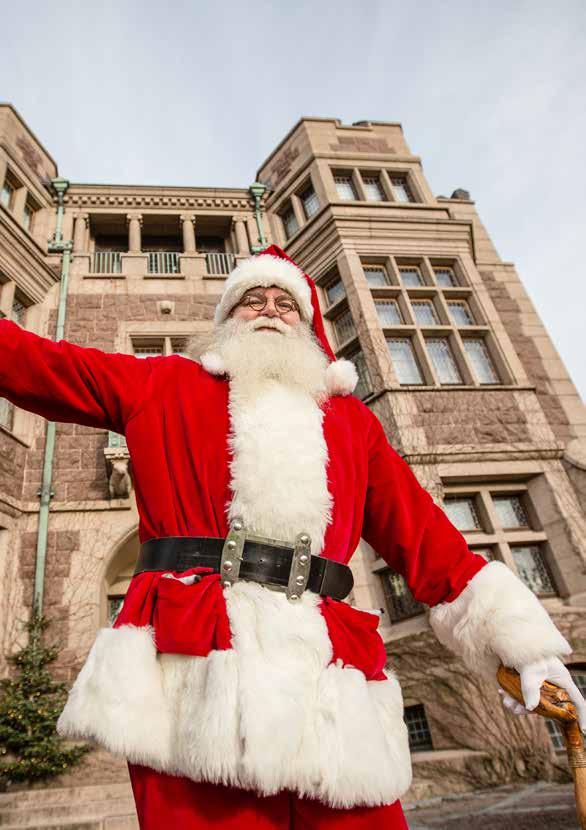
x: 236, y: 686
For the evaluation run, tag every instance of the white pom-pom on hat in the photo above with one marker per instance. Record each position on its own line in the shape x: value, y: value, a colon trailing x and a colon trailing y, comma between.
x: 341, y: 377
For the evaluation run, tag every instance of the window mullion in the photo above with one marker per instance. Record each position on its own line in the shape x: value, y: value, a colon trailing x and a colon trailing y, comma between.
x: 358, y: 185
x: 387, y: 186
x: 425, y: 363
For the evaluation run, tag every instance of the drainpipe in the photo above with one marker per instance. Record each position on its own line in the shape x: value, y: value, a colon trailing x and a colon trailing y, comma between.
x: 56, y: 246
x: 257, y: 191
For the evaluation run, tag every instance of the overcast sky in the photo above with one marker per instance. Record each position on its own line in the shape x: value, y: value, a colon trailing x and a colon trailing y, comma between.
x: 490, y: 95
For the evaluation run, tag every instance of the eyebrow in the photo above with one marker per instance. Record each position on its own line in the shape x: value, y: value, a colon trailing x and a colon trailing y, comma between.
x: 258, y: 291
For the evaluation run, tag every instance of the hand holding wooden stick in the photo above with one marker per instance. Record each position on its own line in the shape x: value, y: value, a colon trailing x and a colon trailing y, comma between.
x: 555, y: 703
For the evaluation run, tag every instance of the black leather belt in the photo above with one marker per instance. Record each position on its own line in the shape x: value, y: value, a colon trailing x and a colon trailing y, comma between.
x: 266, y: 561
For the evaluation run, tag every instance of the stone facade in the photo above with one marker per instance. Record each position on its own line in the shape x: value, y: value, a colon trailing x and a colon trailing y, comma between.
x: 453, y: 358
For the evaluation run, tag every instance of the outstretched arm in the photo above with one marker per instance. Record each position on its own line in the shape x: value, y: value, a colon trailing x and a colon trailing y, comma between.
x: 481, y: 611
x: 65, y: 382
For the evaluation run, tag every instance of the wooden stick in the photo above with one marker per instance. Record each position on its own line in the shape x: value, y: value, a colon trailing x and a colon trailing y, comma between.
x: 555, y: 703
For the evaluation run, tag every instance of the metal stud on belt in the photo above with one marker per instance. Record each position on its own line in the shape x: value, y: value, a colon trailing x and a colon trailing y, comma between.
x: 300, y: 567
x: 232, y: 553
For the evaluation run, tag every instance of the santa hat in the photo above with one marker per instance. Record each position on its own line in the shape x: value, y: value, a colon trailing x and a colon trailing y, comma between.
x: 273, y: 267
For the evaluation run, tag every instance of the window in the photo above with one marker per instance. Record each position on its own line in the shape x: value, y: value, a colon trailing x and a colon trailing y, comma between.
x: 178, y: 347
x: 460, y: 313
x: 557, y: 738
x: 345, y: 188
x: 114, y: 606
x: 424, y: 313
x: 503, y: 519
x: 410, y: 276
x: 417, y: 728
x: 510, y: 511
x: 486, y: 553
x: 373, y: 188
x: 401, y: 189
x: 334, y: 291
x: 404, y: 361
x: 290, y: 223
x: 27, y: 218
x: 462, y: 513
x: 310, y: 201
x: 445, y: 276
x: 375, y: 275
x: 482, y: 367
x: 443, y: 360
x: 532, y: 569
x: 364, y: 386
x: 344, y: 327
x: 7, y: 194
x: 18, y: 311
x: 388, y: 312
x: 148, y: 350
x: 401, y: 603
x: 157, y: 346
x: 6, y: 414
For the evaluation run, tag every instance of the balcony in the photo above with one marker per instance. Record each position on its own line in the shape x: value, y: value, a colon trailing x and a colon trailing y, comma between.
x: 106, y: 262
x: 219, y: 264
x: 163, y: 262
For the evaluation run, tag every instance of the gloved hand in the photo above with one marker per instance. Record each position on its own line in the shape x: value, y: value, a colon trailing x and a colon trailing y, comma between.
x: 532, y: 676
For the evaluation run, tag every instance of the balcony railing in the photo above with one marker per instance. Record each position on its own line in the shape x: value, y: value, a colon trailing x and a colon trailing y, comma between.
x: 106, y: 262
x: 220, y: 264
x: 163, y: 262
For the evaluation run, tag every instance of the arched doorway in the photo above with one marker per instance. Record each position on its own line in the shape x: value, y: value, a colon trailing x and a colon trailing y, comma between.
x: 117, y: 576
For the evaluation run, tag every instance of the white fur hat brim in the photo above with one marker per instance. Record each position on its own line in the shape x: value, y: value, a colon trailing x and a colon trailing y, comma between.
x: 265, y: 270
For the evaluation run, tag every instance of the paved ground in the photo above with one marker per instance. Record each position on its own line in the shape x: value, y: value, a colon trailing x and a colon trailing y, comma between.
x: 535, y: 807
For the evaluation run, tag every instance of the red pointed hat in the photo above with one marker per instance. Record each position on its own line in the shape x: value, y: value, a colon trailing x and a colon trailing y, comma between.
x: 273, y: 267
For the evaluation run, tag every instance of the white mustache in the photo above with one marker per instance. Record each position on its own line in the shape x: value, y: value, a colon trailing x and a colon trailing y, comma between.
x: 268, y: 323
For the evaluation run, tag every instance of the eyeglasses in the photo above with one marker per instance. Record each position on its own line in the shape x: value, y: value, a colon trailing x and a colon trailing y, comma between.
x: 258, y: 302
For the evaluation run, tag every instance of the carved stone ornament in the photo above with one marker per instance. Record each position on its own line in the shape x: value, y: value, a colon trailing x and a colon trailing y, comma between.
x: 127, y: 201
x: 117, y: 469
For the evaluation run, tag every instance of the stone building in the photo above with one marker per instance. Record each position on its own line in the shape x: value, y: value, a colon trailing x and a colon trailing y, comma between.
x: 452, y: 356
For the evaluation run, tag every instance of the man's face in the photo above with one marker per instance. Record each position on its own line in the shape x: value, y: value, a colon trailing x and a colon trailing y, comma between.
x: 278, y: 304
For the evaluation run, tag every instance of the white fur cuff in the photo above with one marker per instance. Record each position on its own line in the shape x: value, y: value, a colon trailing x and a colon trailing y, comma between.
x: 496, y: 619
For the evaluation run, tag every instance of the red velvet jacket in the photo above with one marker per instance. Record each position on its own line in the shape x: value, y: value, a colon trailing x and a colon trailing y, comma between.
x: 175, y: 418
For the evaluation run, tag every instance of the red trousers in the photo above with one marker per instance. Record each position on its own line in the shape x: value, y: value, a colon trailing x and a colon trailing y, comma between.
x: 166, y: 802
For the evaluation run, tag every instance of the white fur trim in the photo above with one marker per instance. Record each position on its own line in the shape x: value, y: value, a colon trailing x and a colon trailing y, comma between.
x: 496, y: 619
x: 341, y: 377
x: 212, y: 363
x: 117, y: 699
x: 269, y: 714
x: 265, y: 270
x: 279, y: 451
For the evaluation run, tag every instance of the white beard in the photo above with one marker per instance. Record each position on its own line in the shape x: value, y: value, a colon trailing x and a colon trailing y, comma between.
x: 279, y: 454
x: 288, y: 355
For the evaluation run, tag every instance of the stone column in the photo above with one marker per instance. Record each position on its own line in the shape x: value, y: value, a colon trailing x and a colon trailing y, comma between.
x: 79, y: 232
x: 188, y: 228
x: 239, y: 227
x: 134, y: 221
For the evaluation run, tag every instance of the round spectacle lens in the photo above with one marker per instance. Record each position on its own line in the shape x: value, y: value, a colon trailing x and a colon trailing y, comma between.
x: 282, y: 304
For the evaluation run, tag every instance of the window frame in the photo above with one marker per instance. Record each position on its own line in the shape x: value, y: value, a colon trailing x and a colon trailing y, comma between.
x: 350, y: 175
x: 493, y: 535
x: 287, y: 209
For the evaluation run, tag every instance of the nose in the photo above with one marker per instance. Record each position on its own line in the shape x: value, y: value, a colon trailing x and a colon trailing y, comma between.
x: 270, y: 310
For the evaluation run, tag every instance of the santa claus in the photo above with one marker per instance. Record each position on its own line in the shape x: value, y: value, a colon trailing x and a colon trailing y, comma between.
x: 238, y: 684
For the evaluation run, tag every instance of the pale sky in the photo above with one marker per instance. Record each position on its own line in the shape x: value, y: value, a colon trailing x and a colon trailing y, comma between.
x: 491, y: 96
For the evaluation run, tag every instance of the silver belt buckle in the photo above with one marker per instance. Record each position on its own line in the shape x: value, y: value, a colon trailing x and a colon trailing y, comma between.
x: 233, y: 549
